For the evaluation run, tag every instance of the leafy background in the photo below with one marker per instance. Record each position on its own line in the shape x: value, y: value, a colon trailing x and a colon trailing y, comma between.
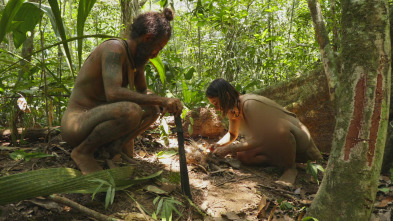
x: 250, y: 43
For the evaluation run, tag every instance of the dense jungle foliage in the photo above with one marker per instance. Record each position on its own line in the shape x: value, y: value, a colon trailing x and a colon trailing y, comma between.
x: 251, y: 43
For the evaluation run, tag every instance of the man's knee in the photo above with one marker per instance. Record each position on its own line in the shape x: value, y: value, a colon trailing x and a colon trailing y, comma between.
x: 129, y: 113
x: 151, y: 113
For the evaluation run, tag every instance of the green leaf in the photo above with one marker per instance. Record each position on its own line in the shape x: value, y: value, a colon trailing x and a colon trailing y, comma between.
x: 22, y: 155
x: 108, y: 196
x: 154, y: 189
x: 60, y: 26
x: 163, y: 3
x: 44, y: 182
x: 165, y: 126
x: 157, y: 63
x: 154, y: 175
x: 384, y: 190
x: 166, y: 154
x: 159, y: 206
x: 56, y: 21
x: 286, y: 206
x: 156, y: 199
x: 96, y: 191
x: 112, y: 195
x: 186, y: 92
x: 25, y: 20
x: 188, y: 75
x: 309, y: 218
x: 201, y: 23
x: 10, y: 11
x: 84, y: 8
x: 190, y: 129
x: 168, y: 211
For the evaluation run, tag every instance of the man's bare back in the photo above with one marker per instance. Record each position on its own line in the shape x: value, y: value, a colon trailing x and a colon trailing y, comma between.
x: 102, y: 111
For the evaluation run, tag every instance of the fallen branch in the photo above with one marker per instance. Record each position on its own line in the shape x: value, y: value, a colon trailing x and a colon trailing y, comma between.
x: 80, y: 208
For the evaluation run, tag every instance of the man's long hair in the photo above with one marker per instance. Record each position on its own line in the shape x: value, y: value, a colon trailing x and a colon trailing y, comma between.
x: 226, y: 93
x: 155, y: 23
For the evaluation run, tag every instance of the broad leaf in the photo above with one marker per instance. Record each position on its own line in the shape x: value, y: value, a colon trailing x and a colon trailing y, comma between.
x: 188, y: 75
x: 157, y: 62
x: 60, y: 26
x: 186, y: 92
x: 10, y: 11
x: 25, y: 20
x: 84, y: 8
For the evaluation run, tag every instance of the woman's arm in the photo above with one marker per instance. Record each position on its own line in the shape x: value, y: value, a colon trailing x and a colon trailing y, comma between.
x: 233, y: 133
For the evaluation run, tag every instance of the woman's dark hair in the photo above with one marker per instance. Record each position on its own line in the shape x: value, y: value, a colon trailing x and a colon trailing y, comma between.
x: 226, y: 93
x: 155, y: 23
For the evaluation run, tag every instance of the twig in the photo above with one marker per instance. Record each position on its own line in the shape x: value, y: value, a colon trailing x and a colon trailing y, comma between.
x: 83, y: 209
x: 147, y: 218
x: 272, y: 213
x: 282, y: 192
x: 196, y: 207
x: 234, y: 180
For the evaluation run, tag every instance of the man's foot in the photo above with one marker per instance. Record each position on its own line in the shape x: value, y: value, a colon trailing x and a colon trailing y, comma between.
x: 85, y: 162
x: 288, y: 178
x: 128, y: 148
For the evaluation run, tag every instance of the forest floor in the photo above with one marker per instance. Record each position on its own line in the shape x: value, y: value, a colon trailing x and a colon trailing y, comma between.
x: 226, y: 190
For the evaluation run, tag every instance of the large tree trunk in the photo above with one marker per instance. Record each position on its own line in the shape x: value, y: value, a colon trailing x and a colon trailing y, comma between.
x: 361, y: 95
x: 388, y: 154
x: 130, y: 9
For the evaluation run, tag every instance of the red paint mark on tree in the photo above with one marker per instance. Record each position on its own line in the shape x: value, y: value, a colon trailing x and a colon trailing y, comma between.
x: 356, y: 123
x: 375, y: 120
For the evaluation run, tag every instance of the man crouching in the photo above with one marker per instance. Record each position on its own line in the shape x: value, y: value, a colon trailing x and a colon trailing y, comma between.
x: 102, y: 111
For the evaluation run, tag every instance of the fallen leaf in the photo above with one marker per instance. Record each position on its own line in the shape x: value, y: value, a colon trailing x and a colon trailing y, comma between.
x: 385, y: 202
x: 231, y: 216
x: 262, y: 207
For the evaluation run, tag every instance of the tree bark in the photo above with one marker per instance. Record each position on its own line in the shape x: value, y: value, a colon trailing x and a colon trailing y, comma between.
x: 130, y: 9
x: 388, y: 153
x: 362, y: 92
x: 327, y: 55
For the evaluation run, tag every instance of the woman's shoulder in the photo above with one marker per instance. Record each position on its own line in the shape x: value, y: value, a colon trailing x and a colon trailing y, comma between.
x: 251, y: 98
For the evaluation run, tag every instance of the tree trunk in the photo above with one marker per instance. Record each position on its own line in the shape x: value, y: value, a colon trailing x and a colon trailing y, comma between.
x: 361, y: 95
x: 130, y: 9
x: 388, y: 154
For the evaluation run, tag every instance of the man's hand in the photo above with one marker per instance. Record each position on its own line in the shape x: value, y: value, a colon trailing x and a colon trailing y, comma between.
x: 222, y: 151
x: 173, y: 106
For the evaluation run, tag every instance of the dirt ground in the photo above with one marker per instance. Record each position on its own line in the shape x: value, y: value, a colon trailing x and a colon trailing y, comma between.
x: 225, y: 190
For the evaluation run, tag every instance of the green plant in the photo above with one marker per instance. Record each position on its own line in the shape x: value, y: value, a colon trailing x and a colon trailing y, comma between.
x: 309, y: 218
x: 165, y: 208
x: 285, y: 205
x: 313, y: 170
x: 166, y: 153
x: 110, y: 192
x: 164, y: 131
x: 190, y: 126
x: 22, y: 155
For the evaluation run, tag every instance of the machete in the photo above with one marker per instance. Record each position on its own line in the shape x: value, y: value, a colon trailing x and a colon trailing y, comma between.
x: 185, y: 185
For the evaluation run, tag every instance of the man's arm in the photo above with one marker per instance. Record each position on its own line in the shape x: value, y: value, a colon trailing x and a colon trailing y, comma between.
x: 113, y: 58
